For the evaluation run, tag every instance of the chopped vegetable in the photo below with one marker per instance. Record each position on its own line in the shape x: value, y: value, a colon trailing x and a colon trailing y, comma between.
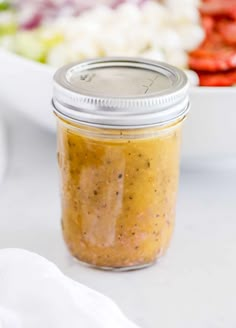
x: 60, y: 32
x: 227, y: 30
x: 215, y: 59
x: 213, y: 56
x: 29, y: 45
x: 219, y: 8
x: 4, y: 5
x: 223, y: 79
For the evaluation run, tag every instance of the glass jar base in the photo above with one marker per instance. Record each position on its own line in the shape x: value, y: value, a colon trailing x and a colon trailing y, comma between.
x: 115, y: 269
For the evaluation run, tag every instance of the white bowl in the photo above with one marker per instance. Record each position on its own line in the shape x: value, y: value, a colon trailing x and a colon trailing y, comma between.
x: 209, y: 133
x: 3, y: 149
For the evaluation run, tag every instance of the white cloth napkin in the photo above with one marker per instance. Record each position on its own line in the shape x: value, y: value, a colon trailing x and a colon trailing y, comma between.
x: 35, y: 294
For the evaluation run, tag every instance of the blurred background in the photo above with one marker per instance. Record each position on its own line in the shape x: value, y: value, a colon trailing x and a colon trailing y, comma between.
x: 57, y: 32
x: 37, y: 37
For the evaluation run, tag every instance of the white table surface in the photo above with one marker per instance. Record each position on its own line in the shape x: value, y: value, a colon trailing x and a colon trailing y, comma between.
x: 193, y: 286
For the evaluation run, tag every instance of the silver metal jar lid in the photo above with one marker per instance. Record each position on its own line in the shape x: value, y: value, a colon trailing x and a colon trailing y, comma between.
x: 121, y: 93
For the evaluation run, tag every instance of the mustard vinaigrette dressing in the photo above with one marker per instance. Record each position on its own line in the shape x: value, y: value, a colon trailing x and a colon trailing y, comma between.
x: 119, y: 130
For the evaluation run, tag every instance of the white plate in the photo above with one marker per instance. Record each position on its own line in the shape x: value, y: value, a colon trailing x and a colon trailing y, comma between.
x: 209, y: 131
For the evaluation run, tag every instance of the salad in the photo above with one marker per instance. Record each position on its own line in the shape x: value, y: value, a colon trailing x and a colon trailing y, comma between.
x: 215, y: 59
x: 196, y: 36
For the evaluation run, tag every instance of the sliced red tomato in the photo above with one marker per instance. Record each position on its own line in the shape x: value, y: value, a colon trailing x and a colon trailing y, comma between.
x: 213, y: 55
x: 219, y: 8
x: 224, y: 79
x: 214, y: 62
x: 227, y: 30
x: 215, y: 59
x: 208, y: 24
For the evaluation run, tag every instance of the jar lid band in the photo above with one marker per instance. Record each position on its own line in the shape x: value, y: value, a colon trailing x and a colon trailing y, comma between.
x: 121, y: 92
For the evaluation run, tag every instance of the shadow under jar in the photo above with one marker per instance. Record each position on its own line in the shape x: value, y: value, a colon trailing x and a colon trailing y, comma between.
x: 119, y: 130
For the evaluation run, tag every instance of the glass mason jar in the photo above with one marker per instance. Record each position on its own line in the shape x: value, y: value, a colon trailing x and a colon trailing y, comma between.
x: 119, y: 129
